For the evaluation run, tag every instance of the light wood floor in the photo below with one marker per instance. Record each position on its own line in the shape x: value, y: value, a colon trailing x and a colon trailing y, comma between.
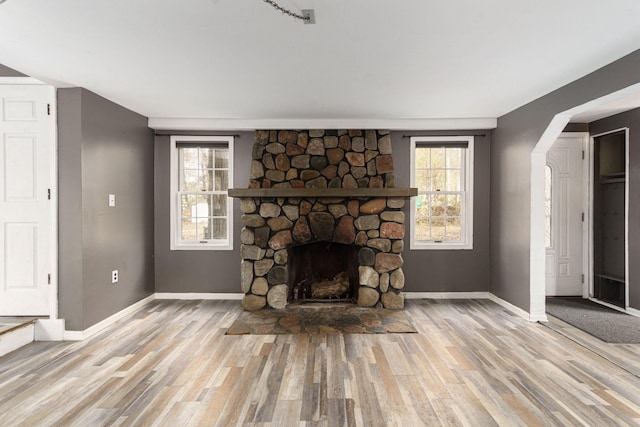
x: 472, y: 363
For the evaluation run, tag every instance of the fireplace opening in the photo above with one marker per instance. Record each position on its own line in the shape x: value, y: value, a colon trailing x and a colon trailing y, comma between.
x: 323, y: 272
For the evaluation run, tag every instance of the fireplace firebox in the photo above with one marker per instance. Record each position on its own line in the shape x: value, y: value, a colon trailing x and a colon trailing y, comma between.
x: 323, y: 272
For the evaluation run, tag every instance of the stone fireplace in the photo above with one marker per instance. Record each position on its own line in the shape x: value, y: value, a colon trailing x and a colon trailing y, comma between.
x: 322, y: 220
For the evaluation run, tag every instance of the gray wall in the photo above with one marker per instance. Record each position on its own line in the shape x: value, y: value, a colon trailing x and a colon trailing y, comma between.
x: 448, y: 270
x: 197, y: 271
x: 10, y: 72
x: 219, y: 271
x: 103, y: 148
x: 630, y: 119
x: 512, y: 142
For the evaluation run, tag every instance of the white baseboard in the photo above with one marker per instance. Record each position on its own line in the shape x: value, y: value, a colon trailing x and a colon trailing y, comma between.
x: 633, y: 311
x: 474, y: 295
x: 16, y: 338
x: 446, y: 295
x: 81, y: 335
x: 204, y: 296
x: 517, y: 310
x: 49, y: 330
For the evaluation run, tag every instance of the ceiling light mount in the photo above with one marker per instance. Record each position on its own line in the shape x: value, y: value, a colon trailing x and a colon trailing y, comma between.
x: 308, y: 15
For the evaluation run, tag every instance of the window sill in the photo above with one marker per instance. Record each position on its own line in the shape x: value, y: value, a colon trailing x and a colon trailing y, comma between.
x: 441, y: 246
x: 203, y: 247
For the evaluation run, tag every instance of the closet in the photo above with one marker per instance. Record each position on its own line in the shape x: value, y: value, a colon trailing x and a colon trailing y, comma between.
x: 609, y: 281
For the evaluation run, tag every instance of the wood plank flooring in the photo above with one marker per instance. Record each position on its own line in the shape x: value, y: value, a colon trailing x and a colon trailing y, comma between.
x: 473, y: 363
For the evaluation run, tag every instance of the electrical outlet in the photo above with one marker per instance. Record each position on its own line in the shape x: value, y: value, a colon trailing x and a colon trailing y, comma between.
x: 114, y: 276
x: 112, y: 200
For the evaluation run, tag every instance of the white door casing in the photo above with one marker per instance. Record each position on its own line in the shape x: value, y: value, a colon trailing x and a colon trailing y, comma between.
x: 565, y: 254
x: 27, y: 163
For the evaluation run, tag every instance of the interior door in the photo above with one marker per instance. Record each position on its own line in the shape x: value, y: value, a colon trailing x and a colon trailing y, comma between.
x: 27, y: 147
x: 564, y: 253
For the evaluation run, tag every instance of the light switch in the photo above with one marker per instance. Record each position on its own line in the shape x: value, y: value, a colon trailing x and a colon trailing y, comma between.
x: 112, y: 200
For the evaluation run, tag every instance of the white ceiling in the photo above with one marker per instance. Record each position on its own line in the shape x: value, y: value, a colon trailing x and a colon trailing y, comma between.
x: 362, y: 60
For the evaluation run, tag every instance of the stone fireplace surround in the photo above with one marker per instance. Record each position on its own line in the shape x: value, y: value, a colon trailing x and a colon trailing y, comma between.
x: 311, y: 186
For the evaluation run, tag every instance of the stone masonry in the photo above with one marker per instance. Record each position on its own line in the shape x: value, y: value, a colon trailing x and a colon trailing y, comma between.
x: 322, y: 159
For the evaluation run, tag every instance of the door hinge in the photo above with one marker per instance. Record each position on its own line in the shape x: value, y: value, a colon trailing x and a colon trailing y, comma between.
x: 49, y: 279
x: 48, y: 193
x: 582, y: 216
x: 582, y: 279
x: 582, y: 154
x: 48, y: 109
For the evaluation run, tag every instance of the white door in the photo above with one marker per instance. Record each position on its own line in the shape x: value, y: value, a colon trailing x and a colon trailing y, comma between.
x: 564, y: 191
x: 27, y: 150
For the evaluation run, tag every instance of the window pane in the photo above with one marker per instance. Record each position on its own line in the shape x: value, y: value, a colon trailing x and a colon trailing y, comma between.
x: 454, y: 180
x: 454, y: 229
x: 204, y: 230
x: 437, y: 180
x: 423, y: 157
x: 205, y: 180
x: 454, y: 158
x: 188, y: 231
x: 423, y: 229
x: 200, y: 209
x: 437, y: 158
x: 188, y: 201
x: 547, y: 205
x: 189, y: 157
x: 218, y: 228
x: 422, y: 180
x: 454, y: 205
x: 222, y: 158
x: 437, y: 229
x: 190, y: 180
x: 206, y: 158
x: 437, y: 202
x: 222, y: 180
x: 219, y: 204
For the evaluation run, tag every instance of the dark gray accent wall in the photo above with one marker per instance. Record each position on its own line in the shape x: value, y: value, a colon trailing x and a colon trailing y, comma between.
x: 513, y: 140
x: 631, y: 120
x: 103, y: 149
x: 197, y: 271
x: 448, y: 270
x: 219, y: 271
x: 10, y: 72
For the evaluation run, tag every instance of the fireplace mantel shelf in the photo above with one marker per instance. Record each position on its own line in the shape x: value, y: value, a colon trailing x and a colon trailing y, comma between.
x: 323, y: 192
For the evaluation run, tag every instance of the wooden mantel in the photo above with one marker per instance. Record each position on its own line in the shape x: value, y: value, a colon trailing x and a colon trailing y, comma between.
x: 323, y: 192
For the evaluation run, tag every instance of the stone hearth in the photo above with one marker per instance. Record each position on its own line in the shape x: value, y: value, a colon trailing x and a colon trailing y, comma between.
x: 322, y: 186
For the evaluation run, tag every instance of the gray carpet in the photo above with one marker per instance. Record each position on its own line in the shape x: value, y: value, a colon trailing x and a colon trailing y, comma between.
x: 602, y: 322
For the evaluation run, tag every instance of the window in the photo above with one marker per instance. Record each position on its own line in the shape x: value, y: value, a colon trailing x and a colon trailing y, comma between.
x: 201, y: 174
x: 442, y: 170
x: 548, y: 177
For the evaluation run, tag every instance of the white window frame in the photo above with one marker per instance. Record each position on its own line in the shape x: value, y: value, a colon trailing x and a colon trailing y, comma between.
x: 467, y: 212
x: 174, y: 227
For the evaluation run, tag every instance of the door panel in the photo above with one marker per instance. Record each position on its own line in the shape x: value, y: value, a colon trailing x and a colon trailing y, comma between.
x: 27, y: 150
x: 565, y: 252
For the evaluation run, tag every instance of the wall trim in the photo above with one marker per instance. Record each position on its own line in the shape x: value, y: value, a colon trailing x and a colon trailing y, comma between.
x: 92, y: 330
x: 633, y: 312
x: 196, y: 295
x: 49, y: 330
x: 446, y: 295
x: 177, y: 124
x: 17, y: 338
x: 476, y: 295
x: 517, y: 310
x: 87, y: 333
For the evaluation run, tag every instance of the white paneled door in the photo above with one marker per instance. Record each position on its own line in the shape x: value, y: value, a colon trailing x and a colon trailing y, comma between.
x: 27, y: 154
x: 564, y: 191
